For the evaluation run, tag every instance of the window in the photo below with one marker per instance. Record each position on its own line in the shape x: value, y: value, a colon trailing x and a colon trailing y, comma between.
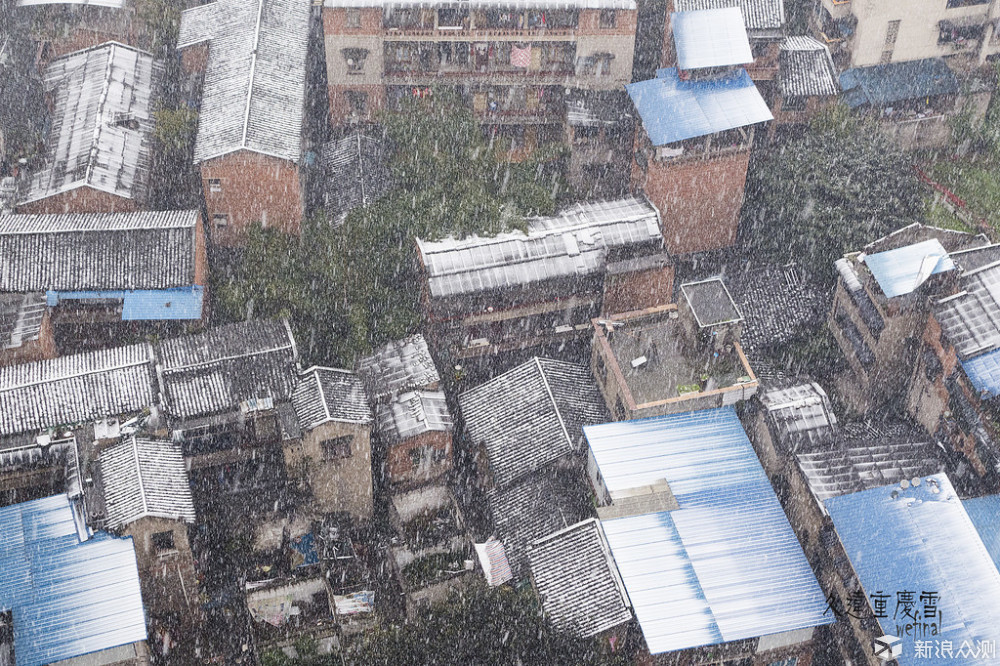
x: 950, y: 33
x: 452, y: 19
x: 355, y: 59
x: 597, y: 64
x: 891, y: 33
x: 609, y: 18
x: 220, y: 220
x: 336, y: 448
x: 885, y: 58
x: 214, y: 184
x: 417, y: 455
x: 952, y: 4
x: 163, y: 542
x: 357, y: 100
x: 353, y: 18
x: 791, y: 661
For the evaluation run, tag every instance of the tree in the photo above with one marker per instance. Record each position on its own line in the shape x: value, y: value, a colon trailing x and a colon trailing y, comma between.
x: 349, y: 288
x: 833, y: 190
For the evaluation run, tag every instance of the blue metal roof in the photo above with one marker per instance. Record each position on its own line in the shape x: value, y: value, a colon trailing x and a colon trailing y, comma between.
x: 673, y: 110
x: 902, y: 270
x: 68, y: 598
x: 881, y: 85
x: 922, y: 541
x: 984, y: 372
x: 984, y: 512
x: 710, y: 38
x: 725, y: 565
x: 175, y: 304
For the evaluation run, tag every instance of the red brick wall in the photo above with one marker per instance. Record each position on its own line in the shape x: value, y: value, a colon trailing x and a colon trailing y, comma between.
x: 699, y: 200
x: 340, y: 106
x: 399, y: 464
x: 194, y: 59
x: 80, y: 200
x: 638, y: 290
x: 255, y: 188
x: 335, y: 22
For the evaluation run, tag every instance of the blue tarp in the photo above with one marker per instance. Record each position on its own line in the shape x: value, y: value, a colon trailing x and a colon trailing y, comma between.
x: 179, y: 303
x: 984, y: 373
x: 67, y: 598
x: 673, y: 110
x: 881, y: 85
x: 710, y: 38
x: 902, y: 270
x: 723, y: 566
x: 919, y: 540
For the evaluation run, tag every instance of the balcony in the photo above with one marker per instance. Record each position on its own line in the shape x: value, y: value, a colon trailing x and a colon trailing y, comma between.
x: 480, y: 25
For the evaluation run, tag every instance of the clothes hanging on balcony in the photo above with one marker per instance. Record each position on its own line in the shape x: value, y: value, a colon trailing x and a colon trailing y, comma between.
x: 520, y: 56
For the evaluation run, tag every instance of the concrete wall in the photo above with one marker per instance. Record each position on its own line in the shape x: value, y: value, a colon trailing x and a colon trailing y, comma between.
x: 343, y: 484
x: 80, y: 200
x: 167, y: 577
x: 255, y: 188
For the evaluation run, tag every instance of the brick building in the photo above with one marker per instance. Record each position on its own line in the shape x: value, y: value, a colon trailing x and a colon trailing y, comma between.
x: 517, y: 290
x: 99, y: 145
x: 415, y: 429
x: 250, y: 144
x: 807, y: 80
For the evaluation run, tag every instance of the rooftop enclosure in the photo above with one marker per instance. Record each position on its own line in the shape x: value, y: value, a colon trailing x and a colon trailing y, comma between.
x: 660, y: 361
x: 255, y: 80
x: 807, y: 69
x: 401, y: 365
x: 690, y: 571
x: 710, y: 38
x: 763, y: 18
x: 69, y: 593
x: 101, y: 123
x: 935, y: 547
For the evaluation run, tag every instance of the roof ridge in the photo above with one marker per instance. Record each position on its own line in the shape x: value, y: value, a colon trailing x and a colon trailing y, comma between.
x: 322, y: 396
x: 138, y: 474
x: 74, y: 375
x: 189, y: 366
x: 105, y: 88
x: 555, y: 405
x: 253, y: 73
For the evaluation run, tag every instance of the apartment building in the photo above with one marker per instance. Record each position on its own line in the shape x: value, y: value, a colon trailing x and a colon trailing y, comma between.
x: 873, y: 32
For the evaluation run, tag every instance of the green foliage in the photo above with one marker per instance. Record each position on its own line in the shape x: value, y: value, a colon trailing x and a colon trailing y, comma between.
x: 175, y: 128
x: 160, y: 20
x: 350, y: 288
x: 833, y: 190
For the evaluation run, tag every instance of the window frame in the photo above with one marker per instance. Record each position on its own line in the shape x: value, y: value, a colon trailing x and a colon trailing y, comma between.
x: 608, y: 19
x: 214, y: 185
x: 158, y: 541
x: 336, y: 448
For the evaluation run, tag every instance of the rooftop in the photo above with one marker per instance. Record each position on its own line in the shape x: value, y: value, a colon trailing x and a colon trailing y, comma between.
x: 778, y: 305
x: 727, y: 541
x: 710, y: 38
x: 255, y: 79
x: 970, y: 319
x: 575, y: 242
x: 411, y: 414
x: 356, y: 171
x: 531, y: 416
x: 487, y: 4
x: 934, y: 546
x: 711, y: 303
x: 21, y: 318
x: 759, y: 15
x: 145, y: 478
x: 898, y: 81
x: 216, y: 371
x: 101, y: 122
x: 74, y: 389
x: 658, y: 360
x: 580, y: 589
x: 330, y: 394
x: 80, y: 252
x: 806, y: 68
x: 401, y: 365
x: 69, y: 594
x: 673, y: 109
x: 901, y: 271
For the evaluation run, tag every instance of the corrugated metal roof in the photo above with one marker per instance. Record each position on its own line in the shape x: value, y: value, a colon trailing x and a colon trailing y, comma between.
x: 213, y: 372
x: 806, y: 68
x: 487, y: 4
x: 898, y: 81
x: 531, y: 416
x: 574, y: 242
x: 146, y: 250
x: 801, y: 415
x: 143, y: 478
x: 255, y: 80
x: 759, y: 15
x: 970, y: 319
x: 673, y: 110
x: 401, y: 365
x: 984, y: 373
x: 579, y: 587
x: 77, y: 388
x: 710, y: 38
x: 330, y: 394
x: 903, y: 270
x: 101, y: 123
x: 984, y: 512
x: 412, y: 413
x: 923, y: 540
x: 68, y: 598
x: 726, y: 564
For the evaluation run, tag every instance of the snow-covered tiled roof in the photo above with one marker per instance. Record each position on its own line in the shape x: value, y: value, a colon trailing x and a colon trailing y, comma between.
x: 215, y: 371
x: 413, y: 413
x: 77, y: 388
x: 145, y: 478
x: 101, y: 122
x: 330, y: 394
x: 401, y: 365
x: 759, y: 15
x: 806, y: 68
x: 145, y: 250
x: 255, y: 79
